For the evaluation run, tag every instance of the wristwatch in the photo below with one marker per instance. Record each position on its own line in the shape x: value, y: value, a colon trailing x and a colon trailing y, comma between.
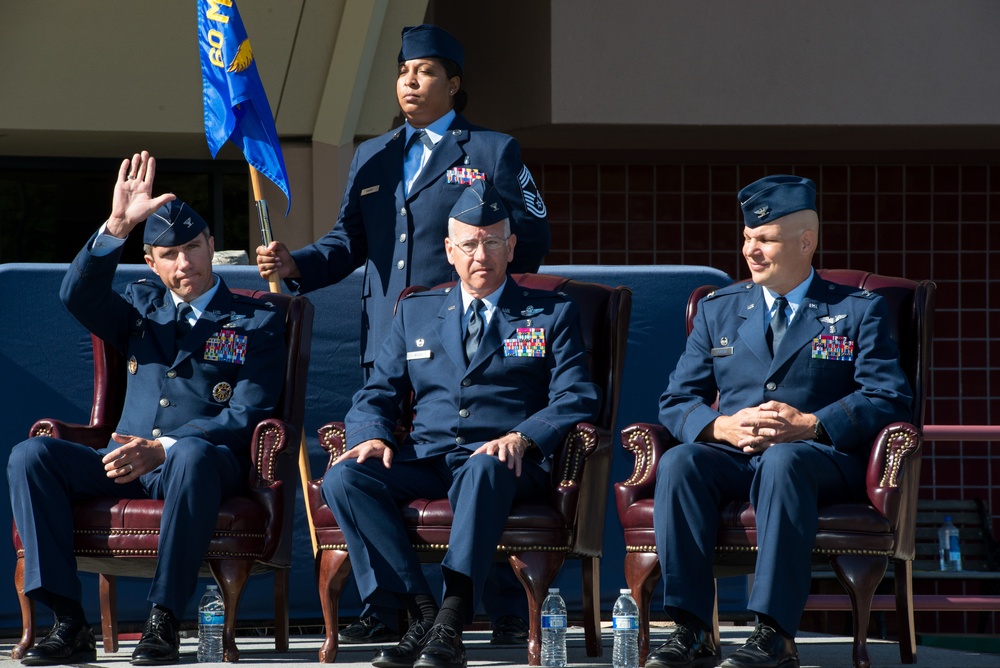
x: 524, y: 437
x: 819, y: 432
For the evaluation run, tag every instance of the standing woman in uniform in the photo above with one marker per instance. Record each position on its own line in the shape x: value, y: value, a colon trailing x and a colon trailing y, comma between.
x: 393, y: 221
x: 402, y: 184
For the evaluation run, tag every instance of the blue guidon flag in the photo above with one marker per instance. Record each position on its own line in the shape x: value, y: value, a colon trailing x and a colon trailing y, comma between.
x: 236, y: 106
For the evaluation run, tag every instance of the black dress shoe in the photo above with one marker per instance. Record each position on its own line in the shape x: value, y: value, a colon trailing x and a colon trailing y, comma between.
x: 160, y: 640
x: 510, y: 630
x: 406, y: 652
x: 765, y: 648
x: 367, y: 629
x: 444, y: 649
x: 69, y: 641
x: 687, y: 647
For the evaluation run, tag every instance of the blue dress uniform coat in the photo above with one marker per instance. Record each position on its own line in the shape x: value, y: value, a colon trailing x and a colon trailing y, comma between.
x: 208, y: 391
x: 837, y: 361
x: 457, y: 408
x: 400, y: 238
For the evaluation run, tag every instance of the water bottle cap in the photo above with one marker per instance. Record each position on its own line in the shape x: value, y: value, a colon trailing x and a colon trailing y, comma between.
x: 947, y: 518
x: 553, y: 590
x: 624, y: 591
x: 213, y: 586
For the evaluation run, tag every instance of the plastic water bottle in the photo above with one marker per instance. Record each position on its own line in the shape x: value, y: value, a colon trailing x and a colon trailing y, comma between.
x: 554, y: 630
x: 211, y: 617
x: 625, y: 622
x: 951, y: 555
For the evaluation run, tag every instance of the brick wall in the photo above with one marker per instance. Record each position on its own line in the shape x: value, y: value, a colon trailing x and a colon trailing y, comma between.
x: 921, y: 221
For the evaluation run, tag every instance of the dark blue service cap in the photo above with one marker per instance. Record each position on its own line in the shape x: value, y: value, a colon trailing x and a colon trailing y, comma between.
x: 479, y: 205
x: 173, y: 224
x: 427, y: 41
x: 772, y: 197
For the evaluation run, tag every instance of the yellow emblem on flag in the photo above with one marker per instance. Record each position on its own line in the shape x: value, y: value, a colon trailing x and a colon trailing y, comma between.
x: 243, y: 57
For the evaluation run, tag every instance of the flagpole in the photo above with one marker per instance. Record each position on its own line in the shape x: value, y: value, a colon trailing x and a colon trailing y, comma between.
x: 266, y: 238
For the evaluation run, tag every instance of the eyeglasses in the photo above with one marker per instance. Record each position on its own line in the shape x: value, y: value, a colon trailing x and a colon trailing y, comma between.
x: 489, y: 244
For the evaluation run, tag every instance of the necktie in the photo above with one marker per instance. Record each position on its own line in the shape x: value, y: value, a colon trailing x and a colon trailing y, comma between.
x: 413, y: 156
x: 474, y: 333
x: 183, y: 325
x: 779, y: 323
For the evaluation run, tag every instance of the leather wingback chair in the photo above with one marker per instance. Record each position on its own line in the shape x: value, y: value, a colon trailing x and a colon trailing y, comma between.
x: 858, y: 539
x: 254, y: 531
x: 537, y: 538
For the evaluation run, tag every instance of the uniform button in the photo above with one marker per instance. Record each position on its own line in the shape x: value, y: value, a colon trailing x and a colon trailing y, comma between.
x: 463, y: 413
x: 164, y: 402
x: 171, y: 374
x: 460, y: 441
x: 466, y: 382
x: 402, y: 211
x: 400, y: 264
x: 157, y: 433
x: 402, y: 237
x: 771, y: 387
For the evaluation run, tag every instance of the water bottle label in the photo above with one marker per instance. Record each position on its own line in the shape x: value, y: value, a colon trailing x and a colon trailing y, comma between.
x: 554, y: 621
x: 210, y: 617
x: 625, y: 623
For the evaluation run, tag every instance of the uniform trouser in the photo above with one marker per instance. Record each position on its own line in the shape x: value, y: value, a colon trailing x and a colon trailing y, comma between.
x: 365, y: 500
x: 785, y: 484
x: 47, y: 475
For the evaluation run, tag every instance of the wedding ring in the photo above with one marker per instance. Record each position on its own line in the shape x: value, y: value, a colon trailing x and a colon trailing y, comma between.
x: 129, y: 468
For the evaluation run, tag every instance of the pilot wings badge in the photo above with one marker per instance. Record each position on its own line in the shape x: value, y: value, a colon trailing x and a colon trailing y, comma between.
x: 832, y: 320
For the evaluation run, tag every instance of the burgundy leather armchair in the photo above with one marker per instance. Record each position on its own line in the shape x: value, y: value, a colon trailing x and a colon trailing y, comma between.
x: 858, y: 539
x: 254, y: 531
x: 537, y: 538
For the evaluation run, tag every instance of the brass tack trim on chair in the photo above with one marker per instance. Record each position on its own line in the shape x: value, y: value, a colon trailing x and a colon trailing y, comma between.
x: 328, y: 546
x: 867, y: 553
x: 901, y: 443
x: 641, y: 548
x: 643, y: 447
x: 43, y: 431
x: 276, y: 435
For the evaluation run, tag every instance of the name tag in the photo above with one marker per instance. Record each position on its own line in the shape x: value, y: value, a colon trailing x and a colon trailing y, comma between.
x: 369, y: 190
x: 722, y: 352
x: 418, y: 355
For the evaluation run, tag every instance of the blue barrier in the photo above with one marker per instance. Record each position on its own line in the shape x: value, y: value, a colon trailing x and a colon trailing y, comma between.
x: 46, y: 367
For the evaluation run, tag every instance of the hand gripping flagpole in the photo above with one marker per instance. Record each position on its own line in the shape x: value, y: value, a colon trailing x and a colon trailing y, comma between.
x: 265, y: 224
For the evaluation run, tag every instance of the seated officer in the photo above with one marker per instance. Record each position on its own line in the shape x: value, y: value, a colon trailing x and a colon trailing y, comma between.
x: 806, y: 376
x: 499, y: 376
x: 204, y: 367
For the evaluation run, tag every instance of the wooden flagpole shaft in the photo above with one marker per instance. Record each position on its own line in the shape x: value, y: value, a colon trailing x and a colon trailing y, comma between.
x: 265, y: 233
x: 265, y: 222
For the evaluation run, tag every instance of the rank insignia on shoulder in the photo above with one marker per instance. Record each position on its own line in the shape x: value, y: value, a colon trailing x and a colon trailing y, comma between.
x: 222, y: 392
x: 464, y: 175
x: 527, y: 342
x: 226, y: 346
x: 529, y: 193
x: 530, y: 311
x: 133, y: 365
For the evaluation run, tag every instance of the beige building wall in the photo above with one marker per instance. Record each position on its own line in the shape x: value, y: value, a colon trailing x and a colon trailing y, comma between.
x: 103, y: 79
